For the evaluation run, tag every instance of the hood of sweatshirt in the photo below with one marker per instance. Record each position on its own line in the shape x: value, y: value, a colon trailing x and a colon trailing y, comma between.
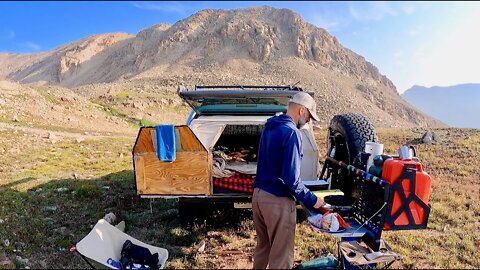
x: 282, y: 119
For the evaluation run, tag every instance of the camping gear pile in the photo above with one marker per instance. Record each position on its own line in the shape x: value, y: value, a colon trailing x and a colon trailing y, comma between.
x: 234, y: 169
x: 409, y: 187
x: 331, y: 222
x: 392, y: 194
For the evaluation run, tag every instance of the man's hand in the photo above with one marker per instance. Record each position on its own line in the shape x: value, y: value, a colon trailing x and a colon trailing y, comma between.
x: 320, y: 202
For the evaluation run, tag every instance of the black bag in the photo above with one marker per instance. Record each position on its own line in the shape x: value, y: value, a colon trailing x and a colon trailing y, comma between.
x: 137, y: 257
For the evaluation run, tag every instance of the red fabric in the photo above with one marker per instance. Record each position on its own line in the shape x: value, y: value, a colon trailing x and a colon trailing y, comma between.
x: 342, y: 222
x: 238, y: 182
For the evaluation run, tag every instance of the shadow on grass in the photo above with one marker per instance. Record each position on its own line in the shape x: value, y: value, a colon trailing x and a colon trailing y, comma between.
x: 42, y: 223
x: 15, y: 183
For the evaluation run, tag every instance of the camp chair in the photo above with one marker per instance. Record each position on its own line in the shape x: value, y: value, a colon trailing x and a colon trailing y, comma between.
x: 357, y: 255
x: 105, y: 241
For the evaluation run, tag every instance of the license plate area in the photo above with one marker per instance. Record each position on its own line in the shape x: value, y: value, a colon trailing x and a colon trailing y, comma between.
x: 242, y: 205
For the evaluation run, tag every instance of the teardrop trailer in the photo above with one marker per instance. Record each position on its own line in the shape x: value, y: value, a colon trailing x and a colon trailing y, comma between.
x: 215, y: 166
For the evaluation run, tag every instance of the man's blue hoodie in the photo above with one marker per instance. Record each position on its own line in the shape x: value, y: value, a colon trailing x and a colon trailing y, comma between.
x: 279, y: 158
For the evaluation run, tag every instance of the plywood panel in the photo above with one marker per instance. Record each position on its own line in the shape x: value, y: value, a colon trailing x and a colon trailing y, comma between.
x: 139, y: 172
x: 188, y: 140
x: 144, y: 142
x: 187, y: 175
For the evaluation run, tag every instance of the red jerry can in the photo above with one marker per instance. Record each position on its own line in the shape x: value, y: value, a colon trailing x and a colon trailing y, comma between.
x: 409, y: 194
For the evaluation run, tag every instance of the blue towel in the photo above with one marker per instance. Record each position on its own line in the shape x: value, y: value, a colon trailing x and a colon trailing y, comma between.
x: 166, y: 142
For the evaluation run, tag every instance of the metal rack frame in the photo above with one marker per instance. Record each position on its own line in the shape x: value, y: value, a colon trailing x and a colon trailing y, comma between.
x: 372, y: 198
x: 248, y: 87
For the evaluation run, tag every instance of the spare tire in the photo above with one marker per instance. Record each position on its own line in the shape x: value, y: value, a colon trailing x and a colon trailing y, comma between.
x: 348, y: 134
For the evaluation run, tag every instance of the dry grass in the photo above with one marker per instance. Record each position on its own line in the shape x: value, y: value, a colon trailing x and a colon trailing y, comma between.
x: 452, y: 237
x: 39, y: 219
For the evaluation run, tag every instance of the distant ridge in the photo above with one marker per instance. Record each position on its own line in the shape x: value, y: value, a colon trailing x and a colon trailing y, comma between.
x: 457, y: 105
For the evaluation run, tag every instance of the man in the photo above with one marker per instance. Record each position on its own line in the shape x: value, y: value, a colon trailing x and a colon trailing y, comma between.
x: 278, y: 184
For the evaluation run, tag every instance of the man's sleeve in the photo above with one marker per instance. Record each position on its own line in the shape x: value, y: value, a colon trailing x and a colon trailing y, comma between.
x: 291, y: 171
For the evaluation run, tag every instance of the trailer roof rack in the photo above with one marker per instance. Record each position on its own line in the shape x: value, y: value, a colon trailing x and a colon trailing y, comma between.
x: 248, y: 87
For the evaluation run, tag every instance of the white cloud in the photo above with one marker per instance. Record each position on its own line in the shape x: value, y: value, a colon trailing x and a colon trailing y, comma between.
x: 325, y: 17
x: 398, y: 58
x: 167, y: 7
x: 372, y: 11
x: 409, y: 9
x: 32, y: 46
x: 415, y: 31
x: 326, y: 23
x: 421, y: 51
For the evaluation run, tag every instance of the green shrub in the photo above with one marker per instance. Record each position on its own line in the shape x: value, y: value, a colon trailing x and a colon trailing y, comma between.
x: 145, y: 122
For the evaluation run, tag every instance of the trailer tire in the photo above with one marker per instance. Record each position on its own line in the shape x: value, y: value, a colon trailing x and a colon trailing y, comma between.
x: 348, y: 133
x: 191, y: 212
x: 209, y: 211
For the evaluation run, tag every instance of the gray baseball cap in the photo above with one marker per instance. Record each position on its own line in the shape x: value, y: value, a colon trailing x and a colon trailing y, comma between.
x: 304, y: 99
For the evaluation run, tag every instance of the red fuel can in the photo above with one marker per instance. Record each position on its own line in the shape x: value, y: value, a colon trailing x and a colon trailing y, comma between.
x: 409, y: 196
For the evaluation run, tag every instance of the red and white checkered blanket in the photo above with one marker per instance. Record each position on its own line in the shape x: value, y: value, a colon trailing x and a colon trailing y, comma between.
x: 238, y: 182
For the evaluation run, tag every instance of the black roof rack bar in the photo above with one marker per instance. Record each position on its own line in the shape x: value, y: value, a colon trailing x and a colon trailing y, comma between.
x: 246, y: 87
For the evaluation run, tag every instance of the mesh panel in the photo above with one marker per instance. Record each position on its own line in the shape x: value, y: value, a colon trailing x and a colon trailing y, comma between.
x: 243, y: 130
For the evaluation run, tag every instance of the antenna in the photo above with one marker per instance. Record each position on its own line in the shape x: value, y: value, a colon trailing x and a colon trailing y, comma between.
x: 295, y: 87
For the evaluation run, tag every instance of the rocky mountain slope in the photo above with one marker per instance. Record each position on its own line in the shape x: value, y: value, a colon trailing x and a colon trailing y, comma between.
x: 245, y: 46
x: 55, y: 108
x: 457, y: 105
x: 61, y: 65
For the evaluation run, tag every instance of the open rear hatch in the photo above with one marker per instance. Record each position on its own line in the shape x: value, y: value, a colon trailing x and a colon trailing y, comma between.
x: 239, y: 99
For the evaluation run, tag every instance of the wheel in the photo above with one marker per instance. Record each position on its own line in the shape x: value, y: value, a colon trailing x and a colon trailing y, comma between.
x: 191, y: 211
x: 209, y: 211
x: 347, y: 134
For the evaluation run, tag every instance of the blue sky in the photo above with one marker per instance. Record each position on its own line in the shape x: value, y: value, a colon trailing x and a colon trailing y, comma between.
x: 423, y: 43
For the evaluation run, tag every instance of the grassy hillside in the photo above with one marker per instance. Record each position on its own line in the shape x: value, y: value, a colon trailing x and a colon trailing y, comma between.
x: 51, y: 194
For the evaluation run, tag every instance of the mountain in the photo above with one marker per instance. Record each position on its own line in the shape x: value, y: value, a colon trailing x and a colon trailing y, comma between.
x: 261, y: 45
x: 65, y: 66
x: 457, y: 105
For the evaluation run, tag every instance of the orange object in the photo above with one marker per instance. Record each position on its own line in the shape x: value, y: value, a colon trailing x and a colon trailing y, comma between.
x: 408, y: 203
x: 342, y: 222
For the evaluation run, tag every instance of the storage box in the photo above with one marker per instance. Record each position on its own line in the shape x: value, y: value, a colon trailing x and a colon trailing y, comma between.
x: 189, y: 174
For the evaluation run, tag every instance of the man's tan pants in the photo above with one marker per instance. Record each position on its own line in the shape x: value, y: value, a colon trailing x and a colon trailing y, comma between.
x: 275, y: 220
